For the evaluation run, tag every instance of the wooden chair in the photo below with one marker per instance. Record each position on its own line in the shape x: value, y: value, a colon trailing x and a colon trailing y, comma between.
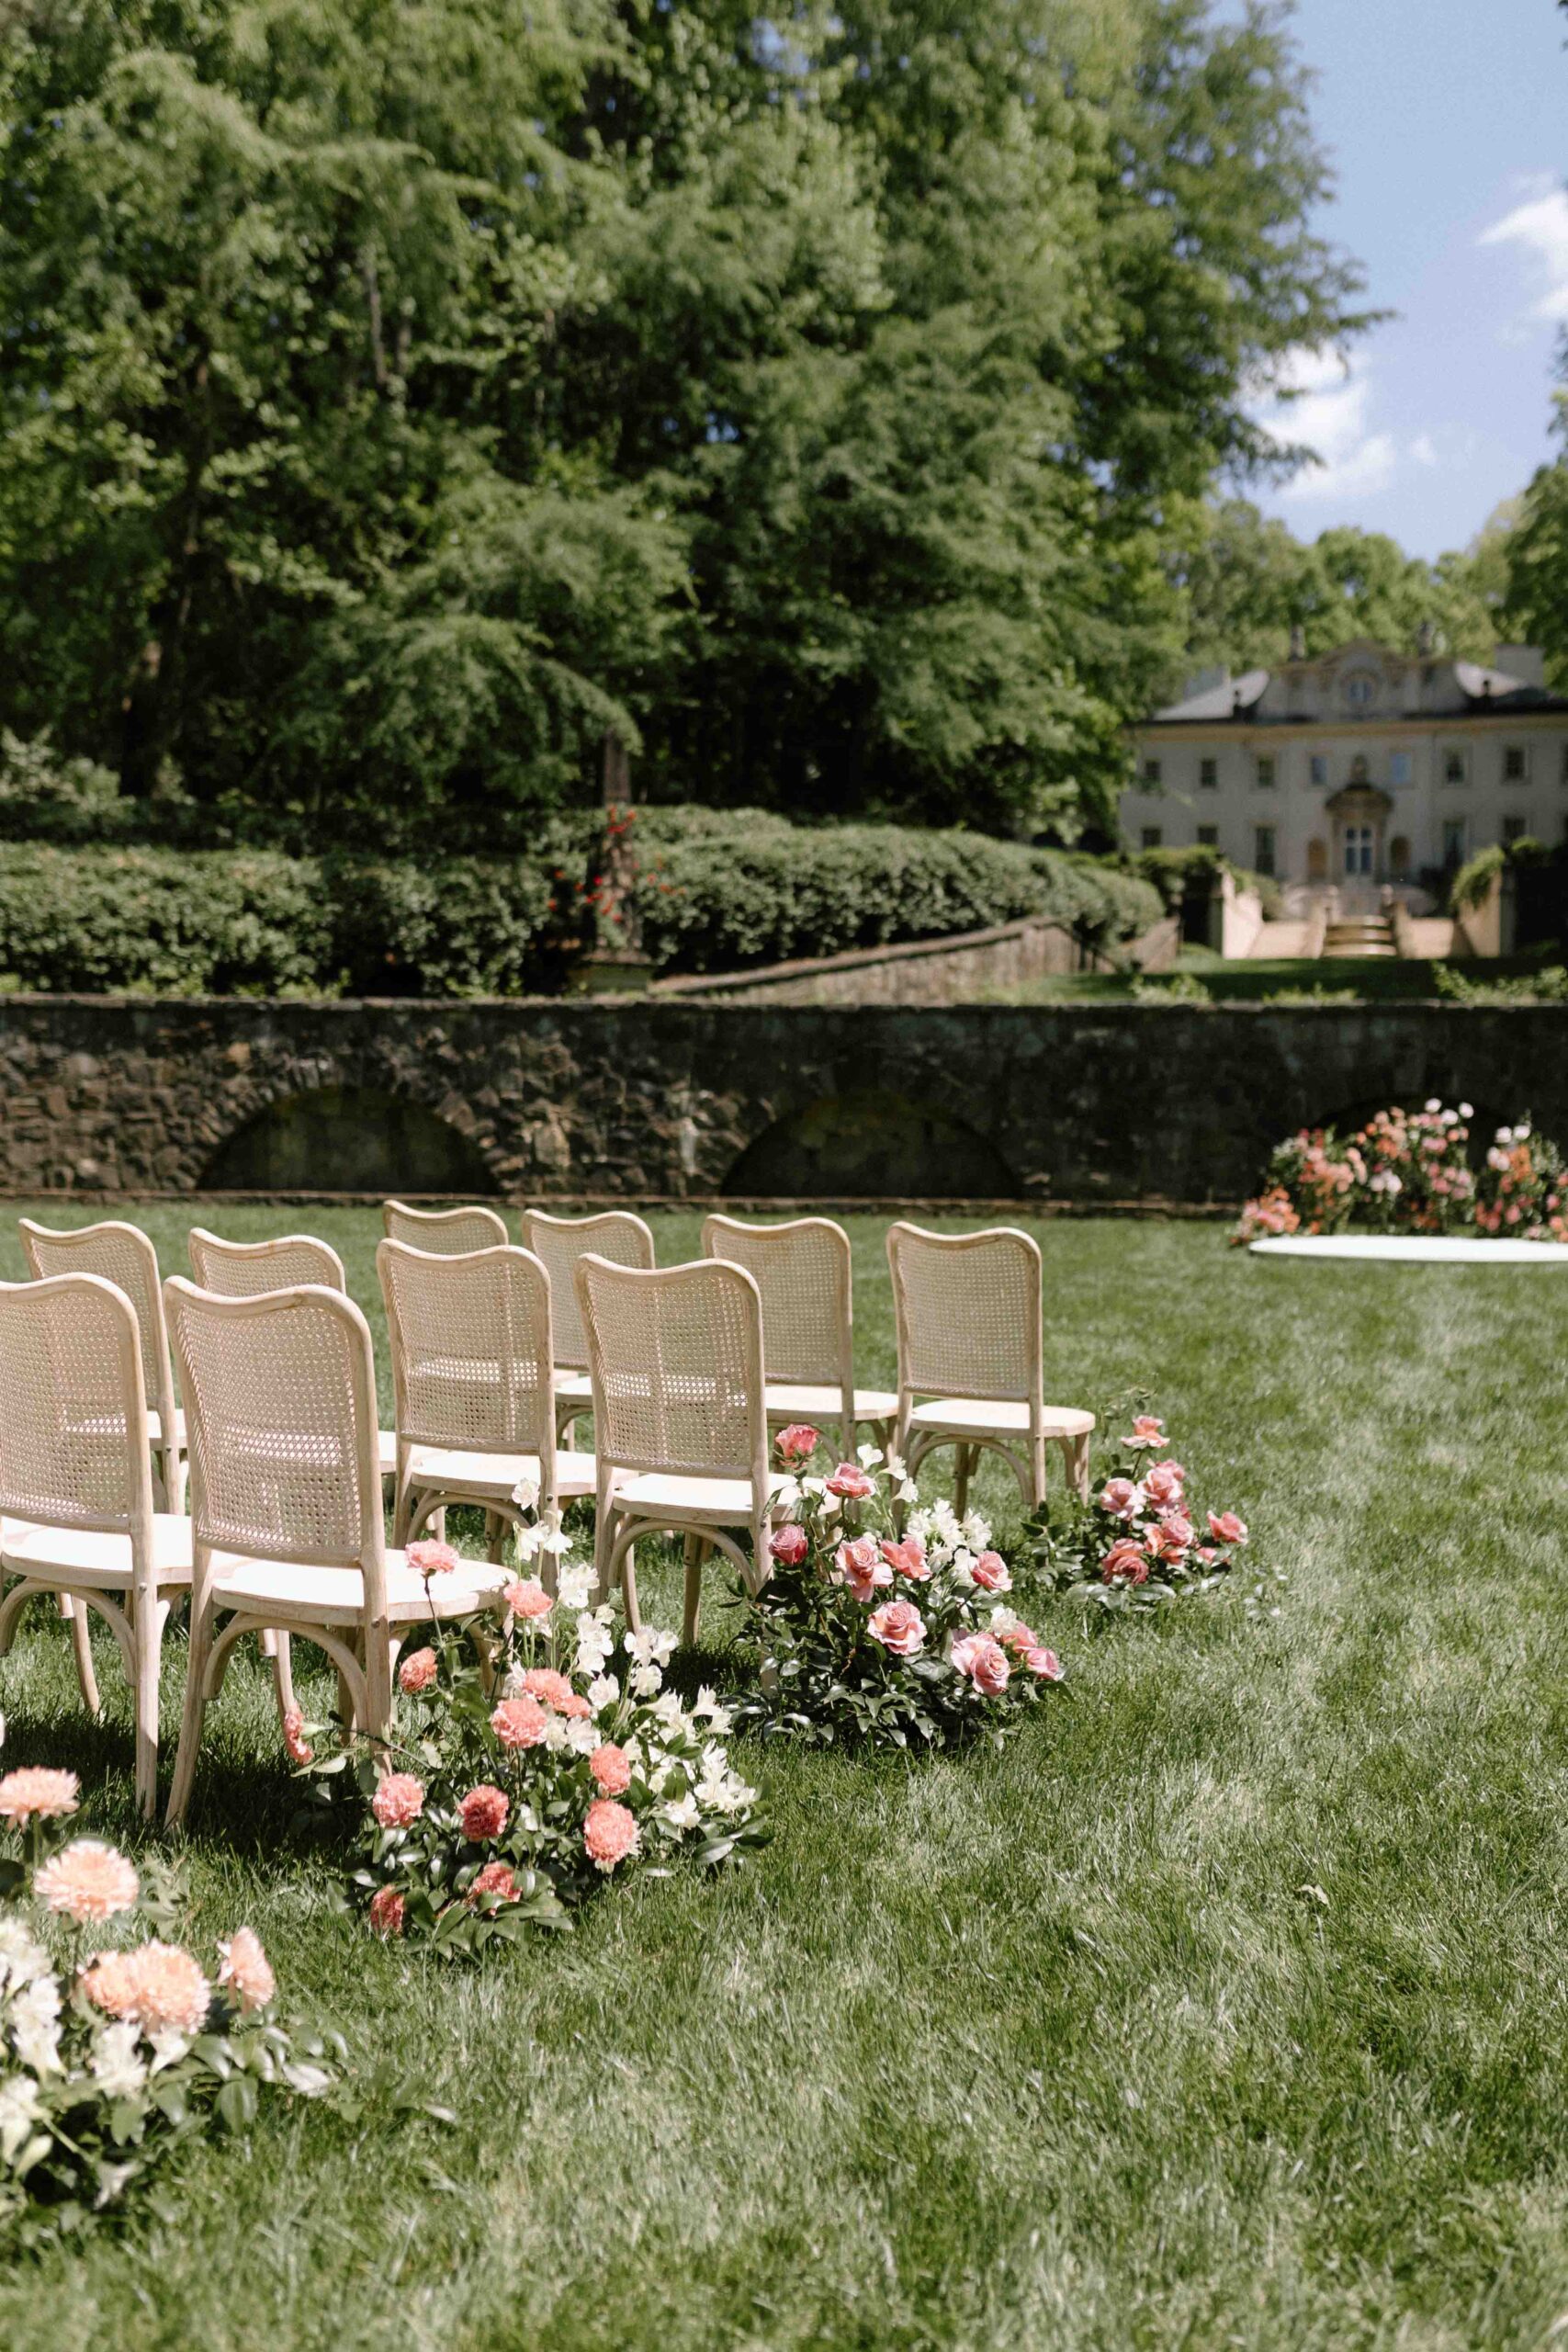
x: 680, y: 1417
x: 558, y: 1242
x: 123, y: 1255
x: 446, y: 1233
x: 77, y: 1519
x: 247, y: 1269
x: 804, y: 1272
x: 286, y: 1501
x: 968, y: 1308
x: 471, y: 1371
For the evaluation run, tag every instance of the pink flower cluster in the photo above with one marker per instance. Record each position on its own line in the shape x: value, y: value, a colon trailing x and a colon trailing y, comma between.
x: 1146, y: 1526
x: 1409, y: 1171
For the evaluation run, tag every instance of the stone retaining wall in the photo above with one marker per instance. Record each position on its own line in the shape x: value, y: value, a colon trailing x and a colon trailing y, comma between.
x: 1077, y: 1104
x: 964, y: 966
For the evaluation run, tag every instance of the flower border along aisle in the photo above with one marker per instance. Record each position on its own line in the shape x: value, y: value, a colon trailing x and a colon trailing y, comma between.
x: 1137, y: 1543
x: 522, y: 1772
x: 1408, y: 1172
x: 111, y: 2052
x: 879, y: 1634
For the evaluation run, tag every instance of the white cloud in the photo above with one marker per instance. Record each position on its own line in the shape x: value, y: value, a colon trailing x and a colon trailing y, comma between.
x: 1424, y: 450
x: 1540, y: 225
x: 1328, y: 411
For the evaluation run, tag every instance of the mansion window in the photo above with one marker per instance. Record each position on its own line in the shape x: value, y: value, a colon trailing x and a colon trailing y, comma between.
x: 1359, y: 845
x: 1151, y: 837
x: 1263, y: 849
x: 1208, y: 775
x: 1265, y: 769
x: 1454, y: 768
x: 1399, y: 767
x: 1359, y: 692
x: 1151, y: 772
x: 1515, y: 764
x: 1513, y: 828
x: 1319, y: 768
x: 1208, y: 837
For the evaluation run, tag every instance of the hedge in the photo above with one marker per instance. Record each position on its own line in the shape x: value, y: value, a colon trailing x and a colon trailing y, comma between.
x: 716, y: 889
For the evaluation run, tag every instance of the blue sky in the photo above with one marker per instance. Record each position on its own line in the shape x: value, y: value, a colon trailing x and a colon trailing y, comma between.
x: 1447, y: 123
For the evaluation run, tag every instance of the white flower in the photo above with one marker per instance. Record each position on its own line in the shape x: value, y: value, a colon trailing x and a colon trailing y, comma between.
x: 1433, y: 1104
x: 21, y: 1960
x: 557, y: 1734
x: 644, y: 1681
x: 574, y: 1586
x: 669, y: 1711
x: 582, y: 1736
x: 515, y: 1684
x: 868, y: 1456
x: 1467, y: 1110
x: 595, y: 1644
x: 706, y: 1709
x: 1504, y: 1135
x: 35, y: 2025
x: 554, y: 1537
x: 602, y: 1691
x: 1522, y: 1135
x: 907, y: 1491
x: 116, y: 2064
x: 19, y: 2110
x: 529, y: 1541
x: 169, y: 2046
x: 525, y: 1493
x: 1003, y: 1621
x: 683, y: 1814
x: 650, y: 1648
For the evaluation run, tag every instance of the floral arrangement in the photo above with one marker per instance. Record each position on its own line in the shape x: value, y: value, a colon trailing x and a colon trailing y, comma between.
x: 882, y: 1623
x: 1138, y: 1542
x: 1409, y: 1171
x: 524, y: 1772
x: 111, y: 2050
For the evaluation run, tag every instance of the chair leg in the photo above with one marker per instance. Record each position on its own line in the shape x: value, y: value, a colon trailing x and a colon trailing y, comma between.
x: 1076, y: 1451
x: 965, y: 1465
x: 495, y: 1536
x: 280, y: 1649
x: 148, y: 1651
x: 82, y: 1643
x: 693, y: 1552
x: 201, y: 1638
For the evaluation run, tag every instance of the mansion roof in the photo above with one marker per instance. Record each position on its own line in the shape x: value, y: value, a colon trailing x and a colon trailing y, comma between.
x: 1365, y: 683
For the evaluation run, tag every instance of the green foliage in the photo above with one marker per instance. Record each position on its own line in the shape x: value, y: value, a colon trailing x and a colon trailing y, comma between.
x: 1549, y: 986
x: 1472, y: 883
x: 1171, y: 869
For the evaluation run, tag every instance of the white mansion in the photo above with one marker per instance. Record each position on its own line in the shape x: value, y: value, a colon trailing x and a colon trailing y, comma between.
x: 1365, y: 766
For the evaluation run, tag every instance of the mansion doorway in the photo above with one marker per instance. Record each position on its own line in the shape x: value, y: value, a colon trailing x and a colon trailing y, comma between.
x: 1360, y: 815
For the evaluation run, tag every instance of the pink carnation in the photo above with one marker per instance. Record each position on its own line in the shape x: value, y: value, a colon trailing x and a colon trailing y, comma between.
x: 244, y: 1965
x: 158, y: 1986
x: 898, y: 1626
x: 908, y: 1558
x: 38, y: 1792
x: 387, y: 1911
x: 88, y: 1881
x: 850, y: 1482
x: 611, y: 1768
x: 528, y: 1598
x: 860, y: 1565
x: 984, y: 1661
x: 431, y: 1558
x: 520, y: 1722
x: 553, y: 1691
x: 609, y: 1833
x: 294, y: 1740
x: 1226, y: 1528
x: 398, y: 1799
x: 417, y: 1672
x: 990, y: 1571
x: 483, y: 1812
x: 496, y: 1878
x: 789, y: 1545
x: 798, y: 1443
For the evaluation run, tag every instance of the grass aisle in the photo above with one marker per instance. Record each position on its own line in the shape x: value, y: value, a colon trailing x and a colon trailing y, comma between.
x: 1226, y: 2007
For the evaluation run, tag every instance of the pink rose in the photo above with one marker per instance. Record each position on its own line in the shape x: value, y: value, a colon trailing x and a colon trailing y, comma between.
x: 483, y: 1812
x: 907, y: 1559
x: 417, y: 1672
x: 1125, y: 1563
x: 398, y: 1799
x: 851, y: 1483
x: 387, y: 1911
x: 1044, y: 1663
x: 520, y: 1722
x: 527, y: 1598
x: 898, y: 1626
x: 1170, y: 1539
x: 1119, y: 1497
x: 297, y: 1745
x: 860, y: 1565
x: 611, y: 1768
x: 990, y: 1571
x: 798, y: 1443
x: 1020, y: 1639
x: 984, y: 1661
x: 1148, y: 1434
x: 431, y: 1558
x: 1163, y: 1484
x: 789, y: 1545
x: 609, y: 1833
x: 1225, y: 1528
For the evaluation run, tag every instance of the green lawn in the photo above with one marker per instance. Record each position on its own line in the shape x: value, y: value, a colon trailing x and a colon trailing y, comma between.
x: 1371, y: 979
x: 1229, y: 2007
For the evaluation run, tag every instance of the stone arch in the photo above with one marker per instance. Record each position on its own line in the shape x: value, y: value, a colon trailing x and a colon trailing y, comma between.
x: 872, y: 1144
x: 338, y: 1139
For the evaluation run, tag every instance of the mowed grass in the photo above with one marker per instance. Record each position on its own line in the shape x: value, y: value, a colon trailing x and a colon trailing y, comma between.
x: 1228, y: 2007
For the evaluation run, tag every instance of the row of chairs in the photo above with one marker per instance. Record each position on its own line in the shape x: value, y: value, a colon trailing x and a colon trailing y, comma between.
x: 496, y: 1350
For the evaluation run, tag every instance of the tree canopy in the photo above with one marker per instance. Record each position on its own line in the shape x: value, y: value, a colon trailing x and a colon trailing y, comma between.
x: 395, y: 394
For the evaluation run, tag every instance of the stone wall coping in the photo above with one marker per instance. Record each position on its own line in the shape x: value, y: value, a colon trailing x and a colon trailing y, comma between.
x: 1084, y: 1009
x: 856, y: 959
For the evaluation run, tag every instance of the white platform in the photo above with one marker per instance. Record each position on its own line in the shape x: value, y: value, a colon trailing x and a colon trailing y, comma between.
x: 1413, y: 1249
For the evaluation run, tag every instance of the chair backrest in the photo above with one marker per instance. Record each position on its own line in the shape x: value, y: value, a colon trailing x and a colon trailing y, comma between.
x: 123, y: 1255
x: 470, y: 1345
x: 676, y: 1362
x: 246, y: 1269
x: 447, y: 1233
x: 802, y: 1271
x: 280, y: 1410
x: 967, y: 1307
x: 74, y: 1448
x: 558, y: 1242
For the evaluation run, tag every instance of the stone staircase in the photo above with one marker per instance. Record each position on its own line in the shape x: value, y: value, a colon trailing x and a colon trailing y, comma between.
x: 1359, y: 935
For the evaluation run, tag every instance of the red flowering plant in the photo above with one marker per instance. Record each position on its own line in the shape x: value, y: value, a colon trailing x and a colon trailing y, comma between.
x: 882, y: 1624
x: 1409, y: 1171
x: 1139, y: 1541
x: 115, y: 2040
x: 529, y: 1765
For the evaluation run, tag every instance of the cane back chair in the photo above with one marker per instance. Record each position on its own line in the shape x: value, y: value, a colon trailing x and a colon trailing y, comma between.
x: 968, y: 1308
x: 558, y: 1242
x: 76, y: 1497
x: 446, y: 1233
x: 123, y: 1255
x: 802, y: 1270
x: 285, y: 1501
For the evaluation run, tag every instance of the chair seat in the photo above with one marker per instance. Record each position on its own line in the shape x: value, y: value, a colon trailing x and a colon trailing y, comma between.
x: 456, y: 1472
x: 790, y: 1401
x: 387, y: 1452
x: 281, y: 1592
x: 82, y: 1555
x: 968, y: 1417
x: 574, y: 1386
x: 718, y: 1502
x: 155, y: 1428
